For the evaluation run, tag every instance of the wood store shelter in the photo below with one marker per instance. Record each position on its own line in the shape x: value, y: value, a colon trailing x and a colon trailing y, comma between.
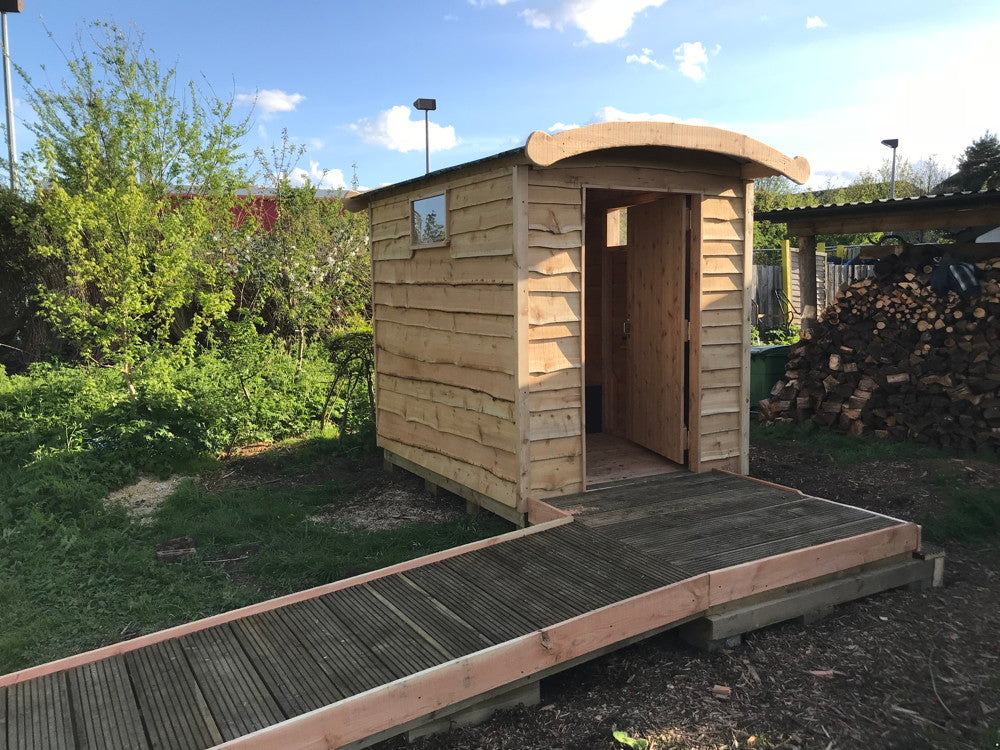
x: 568, y: 313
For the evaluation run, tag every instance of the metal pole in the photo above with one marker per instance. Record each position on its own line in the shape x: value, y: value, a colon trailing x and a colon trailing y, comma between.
x: 892, y: 178
x: 427, y: 141
x: 11, y: 148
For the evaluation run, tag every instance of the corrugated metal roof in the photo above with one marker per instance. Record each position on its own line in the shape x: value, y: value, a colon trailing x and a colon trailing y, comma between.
x: 885, y: 204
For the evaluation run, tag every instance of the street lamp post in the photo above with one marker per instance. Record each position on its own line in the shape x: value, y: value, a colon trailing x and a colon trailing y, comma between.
x: 892, y: 143
x: 9, y: 6
x: 426, y: 105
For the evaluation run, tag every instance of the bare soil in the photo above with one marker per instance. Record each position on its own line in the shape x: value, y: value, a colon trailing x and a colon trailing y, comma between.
x: 897, y: 670
x: 142, y: 499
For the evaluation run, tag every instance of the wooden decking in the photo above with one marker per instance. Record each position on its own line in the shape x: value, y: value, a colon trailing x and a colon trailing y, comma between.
x: 352, y: 660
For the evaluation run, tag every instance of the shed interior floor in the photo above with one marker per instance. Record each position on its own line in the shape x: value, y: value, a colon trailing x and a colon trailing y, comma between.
x: 614, y: 459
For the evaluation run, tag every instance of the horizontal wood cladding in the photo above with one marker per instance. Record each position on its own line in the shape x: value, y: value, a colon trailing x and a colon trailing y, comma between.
x: 500, y: 385
x: 556, y: 423
x: 553, y: 307
x: 450, y: 395
x: 725, y: 444
x: 554, y: 475
x: 553, y: 331
x: 495, y: 241
x: 480, y: 222
x: 553, y: 261
x: 479, y: 217
x: 445, y: 347
x: 550, y: 355
x: 562, y: 398
x: 483, y: 191
x: 723, y: 334
x: 484, y: 429
x: 557, y: 447
x: 723, y: 400
x: 490, y: 299
x: 554, y: 381
x: 436, y: 266
x: 555, y: 218
x: 482, y: 325
x: 473, y: 477
x: 569, y: 282
x: 502, y: 464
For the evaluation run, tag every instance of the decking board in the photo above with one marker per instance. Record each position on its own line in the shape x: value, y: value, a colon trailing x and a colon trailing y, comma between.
x: 425, y: 612
x: 236, y: 695
x: 412, y: 633
x: 174, y: 710
x: 40, y: 714
x: 105, y: 712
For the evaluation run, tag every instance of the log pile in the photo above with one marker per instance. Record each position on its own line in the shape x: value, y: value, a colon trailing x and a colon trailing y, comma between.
x: 893, y: 358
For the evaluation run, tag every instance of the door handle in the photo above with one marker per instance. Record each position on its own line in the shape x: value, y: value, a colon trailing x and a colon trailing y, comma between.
x: 627, y: 327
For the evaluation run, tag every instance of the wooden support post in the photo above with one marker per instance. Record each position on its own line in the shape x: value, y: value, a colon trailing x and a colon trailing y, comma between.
x: 807, y: 279
x: 786, y: 279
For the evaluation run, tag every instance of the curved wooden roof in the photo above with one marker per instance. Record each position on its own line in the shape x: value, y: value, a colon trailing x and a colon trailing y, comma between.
x: 760, y: 159
x: 542, y: 149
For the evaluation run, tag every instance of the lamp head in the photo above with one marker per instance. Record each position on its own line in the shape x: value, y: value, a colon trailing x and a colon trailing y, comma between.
x: 891, y: 142
x: 425, y: 104
x: 11, y: 6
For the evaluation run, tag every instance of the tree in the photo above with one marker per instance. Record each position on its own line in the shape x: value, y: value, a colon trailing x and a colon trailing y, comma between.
x: 979, y: 166
x: 311, y: 271
x: 116, y: 146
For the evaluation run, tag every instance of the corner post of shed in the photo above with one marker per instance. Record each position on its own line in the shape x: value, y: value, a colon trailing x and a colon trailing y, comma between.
x: 522, y: 410
x: 748, y: 323
x: 807, y: 279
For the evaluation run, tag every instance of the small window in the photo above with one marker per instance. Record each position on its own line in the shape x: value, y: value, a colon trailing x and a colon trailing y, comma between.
x: 429, y: 219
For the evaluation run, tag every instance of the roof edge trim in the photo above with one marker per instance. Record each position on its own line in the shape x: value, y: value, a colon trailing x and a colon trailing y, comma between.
x: 545, y: 150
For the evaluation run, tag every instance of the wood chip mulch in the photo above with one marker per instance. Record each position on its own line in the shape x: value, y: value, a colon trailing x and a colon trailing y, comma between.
x: 897, y: 670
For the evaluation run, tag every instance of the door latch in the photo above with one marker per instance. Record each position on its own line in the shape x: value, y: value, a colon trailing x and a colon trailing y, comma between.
x: 627, y: 327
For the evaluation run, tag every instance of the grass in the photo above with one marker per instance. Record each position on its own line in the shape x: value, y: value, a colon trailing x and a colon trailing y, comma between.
x: 78, y: 575
x: 967, y: 513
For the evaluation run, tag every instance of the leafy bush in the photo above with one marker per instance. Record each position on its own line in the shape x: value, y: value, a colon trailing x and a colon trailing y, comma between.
x: 789, y: 335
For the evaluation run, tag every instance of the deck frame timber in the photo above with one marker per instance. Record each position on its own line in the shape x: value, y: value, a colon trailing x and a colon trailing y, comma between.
x: 721, y: 624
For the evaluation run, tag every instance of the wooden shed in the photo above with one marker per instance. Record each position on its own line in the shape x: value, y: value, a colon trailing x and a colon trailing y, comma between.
x: 569, y: 313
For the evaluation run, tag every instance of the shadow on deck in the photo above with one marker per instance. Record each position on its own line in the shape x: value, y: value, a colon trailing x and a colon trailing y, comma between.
x: 358, y: 660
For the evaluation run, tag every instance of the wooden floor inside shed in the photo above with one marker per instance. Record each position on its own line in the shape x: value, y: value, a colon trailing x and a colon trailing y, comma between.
x: 613, y: 459
x: 357, y: 659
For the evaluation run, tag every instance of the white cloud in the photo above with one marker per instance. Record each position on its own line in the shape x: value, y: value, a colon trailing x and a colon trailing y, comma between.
x: 558, y: 127
x: 645, y: 59
x: 601, y: 20
x: 611, y: 114
x: 692, y: 57
x: 450, y: 17
x: 329, y: 179
x: 815, y: 22
x: 270, y: 101
x: 394, y: 129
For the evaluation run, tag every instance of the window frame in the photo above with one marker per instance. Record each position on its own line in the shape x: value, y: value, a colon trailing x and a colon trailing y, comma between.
x: 447, y: 236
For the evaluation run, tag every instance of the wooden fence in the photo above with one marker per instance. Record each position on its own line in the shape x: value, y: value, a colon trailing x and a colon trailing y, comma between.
x: 769, y: 298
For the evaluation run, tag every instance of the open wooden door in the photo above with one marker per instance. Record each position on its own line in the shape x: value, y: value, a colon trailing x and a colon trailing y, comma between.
x: 657, y: 326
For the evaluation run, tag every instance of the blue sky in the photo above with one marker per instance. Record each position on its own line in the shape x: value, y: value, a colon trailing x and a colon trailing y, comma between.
x: 825, y: 80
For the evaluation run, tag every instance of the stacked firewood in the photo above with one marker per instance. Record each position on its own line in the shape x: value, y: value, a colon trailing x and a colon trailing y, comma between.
x: 892, y: 357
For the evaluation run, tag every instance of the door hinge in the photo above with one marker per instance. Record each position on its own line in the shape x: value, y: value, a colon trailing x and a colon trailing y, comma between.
x: 687, y: 330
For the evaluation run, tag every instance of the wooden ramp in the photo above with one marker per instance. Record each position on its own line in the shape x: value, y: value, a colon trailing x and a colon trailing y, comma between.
x: 354, y: 660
